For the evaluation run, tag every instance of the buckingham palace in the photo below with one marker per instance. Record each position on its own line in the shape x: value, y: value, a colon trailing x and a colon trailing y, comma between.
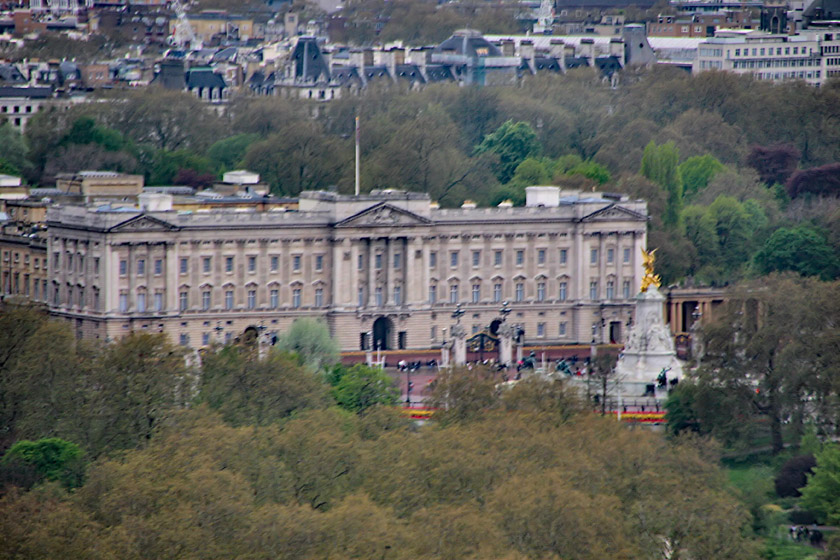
x: 386, y: 268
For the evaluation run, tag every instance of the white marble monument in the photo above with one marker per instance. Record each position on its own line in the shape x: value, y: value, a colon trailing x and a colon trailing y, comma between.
x: 649, y: 350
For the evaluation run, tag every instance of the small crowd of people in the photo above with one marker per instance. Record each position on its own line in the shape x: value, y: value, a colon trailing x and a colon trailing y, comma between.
x: 402, y: 365
x: 810, y: 535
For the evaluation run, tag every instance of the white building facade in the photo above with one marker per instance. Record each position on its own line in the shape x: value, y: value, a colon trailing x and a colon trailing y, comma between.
x: 389, y: 263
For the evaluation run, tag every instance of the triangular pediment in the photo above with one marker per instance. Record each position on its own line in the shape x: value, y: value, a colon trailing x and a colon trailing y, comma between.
x: 384, y: 215
x: 613, y: 212
x: 143, y: 222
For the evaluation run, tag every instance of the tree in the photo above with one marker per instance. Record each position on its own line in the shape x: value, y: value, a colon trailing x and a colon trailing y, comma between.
x: 14, y: 150
x: 53, y: 459
x: 801, y: 249
x: 774, y: 164
x: 696, y: 172
x: 310, y: 339
x: 228, y: 152
x: 360, y: 387
x: 794, y: 475
x: 512, y: 143
x: 247, y: 390
x: 659, y: 164
x: 463, y: 394
x: 821, y: 181
x: 822, y: 493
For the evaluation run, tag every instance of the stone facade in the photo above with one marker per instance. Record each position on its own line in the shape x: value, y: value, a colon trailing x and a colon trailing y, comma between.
x: 388, y: 263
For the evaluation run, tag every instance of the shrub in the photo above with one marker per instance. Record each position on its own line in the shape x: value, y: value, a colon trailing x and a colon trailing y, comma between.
x: 792, y: 475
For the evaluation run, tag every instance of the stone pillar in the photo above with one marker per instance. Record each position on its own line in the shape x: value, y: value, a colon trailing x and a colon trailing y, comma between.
x: 339, y: 286
x: 459, y: 342
x: 506, y: 345
x: 371, y: 291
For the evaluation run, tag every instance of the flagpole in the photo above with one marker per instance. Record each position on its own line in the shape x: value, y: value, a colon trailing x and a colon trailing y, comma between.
x: 357, y: 155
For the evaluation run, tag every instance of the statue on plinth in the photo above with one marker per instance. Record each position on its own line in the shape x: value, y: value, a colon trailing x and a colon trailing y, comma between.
x: 649, y: 349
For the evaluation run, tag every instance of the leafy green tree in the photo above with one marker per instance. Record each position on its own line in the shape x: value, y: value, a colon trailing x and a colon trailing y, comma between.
x: 165, y: 165
x: 247, y: 390
x: 734, y: 228
x: 591, y: 170
x: 822, y: 493
x: 512, y: 143
x: 801, y: 249
x: 360, y: 387
x: 14, y: 157
x: 53, y: 459
x: 228, y: 152
x: 310, y: 339
x: 659, y: 164
x: 463, y: 394
x: 84, y: 130
x: 696, y: 172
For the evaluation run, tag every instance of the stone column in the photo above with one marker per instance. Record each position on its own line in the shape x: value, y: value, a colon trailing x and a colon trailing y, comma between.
x: 388, y: 269
x: 506, y: 345
x: 339, y: 282
x: 459, y: 340
x: 371, y: 272
x: 172, y: 270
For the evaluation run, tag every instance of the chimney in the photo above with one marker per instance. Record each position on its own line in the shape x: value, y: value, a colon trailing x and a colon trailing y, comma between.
x: 526, y: 49
x: 587, y: 50
x: 508, y: 47
x: 367, y: 57
x: 556, y: 48
x: 357, y: 59
x: 399, y: 55
x: 617, y: 49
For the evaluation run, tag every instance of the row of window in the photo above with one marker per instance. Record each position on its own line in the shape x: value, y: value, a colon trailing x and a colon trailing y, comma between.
x: 73, y: 264
x: 498, y: 257
x: 542, y: 330
x: 229, y: 264
x: 12, y: 284
x: 36, y: 262
x: 777, y: 63
x: 519, y: 292
x: 768, y: 51
x: 229, y: 302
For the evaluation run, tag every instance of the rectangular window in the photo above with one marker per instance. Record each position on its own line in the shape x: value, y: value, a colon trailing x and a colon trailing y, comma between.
x: 453, y: 293
x: 476, y: 293
x: 564, y: 255
x: 206, y: 264
x: 540, y: 330
x: 377, y: 261
x: 275, y: 263
x: 593, y: 290
x: 123, y: 267
x: 540, y: 291
x: 497, y: 293
x: 593, y: 256
x: 453, y: 259
x: 610, y: 256
x: 520, y: 257
x: 433, y: 259
x: 123, y: 301
x: 36, y: 290
x: 561, y: 330
x: 319, y: 297
x: 433, y: 332
x: 397, y: 295
x: 296, y: 263
x: 228, y: 264
x: 610, y: 289
x: 274, y: 299
x: 625, y: 289
x: 377, y: 294
x: 69, y: 261
x: 476, y: 258
x: 184, y: 339
x: 205, y: 339
x: 397, y: 261
x: 141, y: 267
x: 319, y: 263
x: 360, y: 262
x: 252, y: 299
x: 184, y: 265
x: 520, y: 291
x: 141, y: 302
x: 541, y: 256
x: 497, y: 258
x: 205, y: 300
x: 95, y: 265
x: 432, y: 294
x: 229, y: 299
x: 361, y: 294
x: 158, y: 302
x: 183, y: 300
x: 158, y: 267
x: 252, y: 263
x: 627, y: 255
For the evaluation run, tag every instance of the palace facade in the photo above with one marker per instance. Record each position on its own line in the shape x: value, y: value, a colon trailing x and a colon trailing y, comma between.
x: 385, y: 269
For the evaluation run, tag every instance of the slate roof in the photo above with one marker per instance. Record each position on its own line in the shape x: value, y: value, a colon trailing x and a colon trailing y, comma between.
x: 34, y: 92
x: 10, y: 74
x: 344, y: 76
x: 204, y: 77
x: 410, y: 72
x: 439, y: 73
x: 547, y: 64
x: 469, y: 43
x: 310, y: 64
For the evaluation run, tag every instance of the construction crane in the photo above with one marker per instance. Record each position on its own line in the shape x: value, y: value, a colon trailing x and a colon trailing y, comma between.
x: 183, y: 33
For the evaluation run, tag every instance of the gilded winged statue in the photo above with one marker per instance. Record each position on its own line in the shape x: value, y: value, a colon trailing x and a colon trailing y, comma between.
x: 650, y: 278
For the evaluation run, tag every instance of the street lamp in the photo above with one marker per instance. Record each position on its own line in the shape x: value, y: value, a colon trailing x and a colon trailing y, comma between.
x: 457, y: 313
x: 505, y: 310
